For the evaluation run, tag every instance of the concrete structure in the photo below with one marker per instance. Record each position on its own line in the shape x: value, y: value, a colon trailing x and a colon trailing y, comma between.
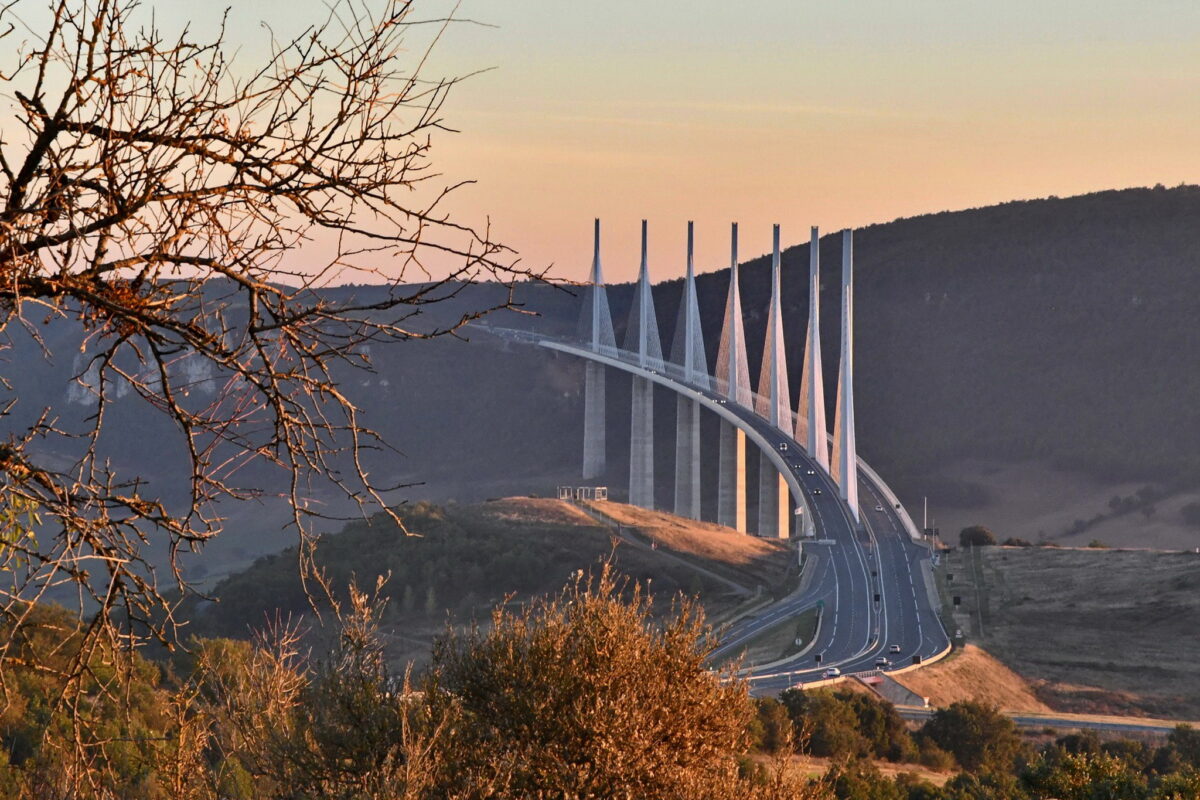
x: 687, y: 352
x: 688, y: 366
x: 844, y: 467
x: 570, y: 493
x: 733, y: 381
x: 641, y: 337
x: 870, y: 586
x: 773, y: 403
x: 865, y: 626
x: 811, y: 427
x: 595, y: 328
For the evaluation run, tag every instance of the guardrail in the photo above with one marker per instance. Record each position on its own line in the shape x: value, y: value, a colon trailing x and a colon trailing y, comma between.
x: 909, y: 526
x: 706, y: 382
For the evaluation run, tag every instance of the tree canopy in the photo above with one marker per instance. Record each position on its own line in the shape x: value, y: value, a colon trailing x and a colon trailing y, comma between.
x: 976, y: 536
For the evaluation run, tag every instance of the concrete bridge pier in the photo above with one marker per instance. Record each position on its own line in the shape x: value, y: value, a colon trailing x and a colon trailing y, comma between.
x: 641, y: 336
x: 593, y: 421
x: 595, y: 328
x: 641, y: 444
x: 774, y: 507
x: 844, y: 464
x: 731, y: 478
x: 687, y: 457
x: 773, y: 404
x: 687, y: 352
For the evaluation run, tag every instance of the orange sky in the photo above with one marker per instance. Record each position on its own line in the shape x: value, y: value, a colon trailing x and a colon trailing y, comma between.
x: 844, y: 112
x: 795, y: 113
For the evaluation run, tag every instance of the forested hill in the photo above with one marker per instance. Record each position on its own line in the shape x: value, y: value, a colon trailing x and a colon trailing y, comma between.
x: 1064, y: 330
x: 1059, y: 329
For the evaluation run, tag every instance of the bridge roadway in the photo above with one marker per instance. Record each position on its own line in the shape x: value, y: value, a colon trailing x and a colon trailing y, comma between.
x: 854, y: 563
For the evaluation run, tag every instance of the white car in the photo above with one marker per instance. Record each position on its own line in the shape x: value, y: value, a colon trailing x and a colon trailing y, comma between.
x: 832, y: 672
x: 882, y: 661
x: 879, y: 508
x: 894, y: 648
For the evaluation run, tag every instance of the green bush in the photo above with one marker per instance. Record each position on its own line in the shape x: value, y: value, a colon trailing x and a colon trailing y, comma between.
x: 980, y: 738
x: 976, y: 536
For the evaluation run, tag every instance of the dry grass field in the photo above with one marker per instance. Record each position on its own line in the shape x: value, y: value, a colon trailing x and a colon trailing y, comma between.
x: 536, y: 510
x: 817, y: 767
x: 972, y: 674
x: 764, y: 561
x: 1093, y: 630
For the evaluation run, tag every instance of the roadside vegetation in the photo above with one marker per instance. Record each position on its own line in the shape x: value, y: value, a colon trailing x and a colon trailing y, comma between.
x: 462, y: 561
x: 589, y: 692
x: 586, y: 693
x: 967, y: 751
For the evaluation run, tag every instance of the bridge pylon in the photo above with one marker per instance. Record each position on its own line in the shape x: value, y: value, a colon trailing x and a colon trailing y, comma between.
x: 595, y: 328
x: 845, y: 449
x: 641, y: 337
x: 811, y: 427
x: 687, y: 351
x: 733, y: 381
x: 774, y: 403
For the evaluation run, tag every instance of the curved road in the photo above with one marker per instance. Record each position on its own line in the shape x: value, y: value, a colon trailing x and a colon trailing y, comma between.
x: 870, y: 579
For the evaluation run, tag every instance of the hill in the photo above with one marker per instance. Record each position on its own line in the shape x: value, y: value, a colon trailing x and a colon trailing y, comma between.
x: 1093, y: 630
x: 463, y: 560
x: 1033, y: 349
x: 971, y: 674
x: 1047, y: 334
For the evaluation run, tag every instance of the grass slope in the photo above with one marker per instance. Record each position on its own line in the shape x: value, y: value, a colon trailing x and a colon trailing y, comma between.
x: 461, y: 562
x: 1095, y: 631
x: 971, y: 673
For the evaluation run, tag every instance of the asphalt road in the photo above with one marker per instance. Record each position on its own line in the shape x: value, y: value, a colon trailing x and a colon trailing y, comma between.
x: 869, y: 583
x: 855, y: 565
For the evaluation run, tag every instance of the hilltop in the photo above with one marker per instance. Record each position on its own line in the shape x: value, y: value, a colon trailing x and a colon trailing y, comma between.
x: 460, y: 561
x: 1020, y: 364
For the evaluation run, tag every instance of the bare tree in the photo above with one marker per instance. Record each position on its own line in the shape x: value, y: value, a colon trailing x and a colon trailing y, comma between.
x: 170, y: 202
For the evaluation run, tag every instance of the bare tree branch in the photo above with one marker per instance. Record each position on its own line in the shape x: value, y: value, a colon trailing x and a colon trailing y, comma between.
x: 171, y: 205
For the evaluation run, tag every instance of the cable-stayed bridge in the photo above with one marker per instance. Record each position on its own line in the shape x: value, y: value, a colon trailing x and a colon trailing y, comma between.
x: 870, y: 570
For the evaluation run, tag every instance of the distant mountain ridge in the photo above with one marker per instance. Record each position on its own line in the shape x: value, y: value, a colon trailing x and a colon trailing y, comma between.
x: 1061, y: 330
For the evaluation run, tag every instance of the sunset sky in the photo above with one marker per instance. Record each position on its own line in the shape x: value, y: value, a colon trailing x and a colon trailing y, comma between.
x: 833, y: 114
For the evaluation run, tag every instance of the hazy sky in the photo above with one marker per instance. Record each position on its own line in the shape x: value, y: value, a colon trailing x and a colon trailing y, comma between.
x: 844, y: 112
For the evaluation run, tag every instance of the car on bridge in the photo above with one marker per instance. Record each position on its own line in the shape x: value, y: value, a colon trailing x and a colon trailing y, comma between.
x: 882, y: 661
x: 832, y: 672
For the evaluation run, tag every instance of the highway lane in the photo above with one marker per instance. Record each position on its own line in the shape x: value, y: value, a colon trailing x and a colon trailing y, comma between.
x: 848, y: 624
x: 849, y: 633
x: 906, y: 617
x: 857, y: 561
x: 855, y: 628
